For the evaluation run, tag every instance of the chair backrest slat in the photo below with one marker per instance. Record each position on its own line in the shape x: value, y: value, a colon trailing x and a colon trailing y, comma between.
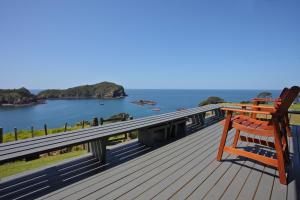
x: 288, y: 97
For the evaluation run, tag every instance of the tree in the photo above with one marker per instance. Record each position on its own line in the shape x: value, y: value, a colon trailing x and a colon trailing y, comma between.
x: 211, y: 100
x: 264, y: 95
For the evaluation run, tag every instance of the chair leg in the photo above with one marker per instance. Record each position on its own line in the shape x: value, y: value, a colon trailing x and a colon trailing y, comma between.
x: 279, y: 153
x: 236, y: 138
x: 284, y: 140
x: 227, y: 126
x: 286, y: 150
x: 287, y: 125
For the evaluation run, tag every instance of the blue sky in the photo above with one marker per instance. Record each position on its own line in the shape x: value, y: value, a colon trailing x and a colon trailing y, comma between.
x: 226, y: 44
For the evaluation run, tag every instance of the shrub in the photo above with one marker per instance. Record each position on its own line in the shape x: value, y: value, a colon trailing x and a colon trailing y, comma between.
x: 211, y: 100
x: 264, y: 95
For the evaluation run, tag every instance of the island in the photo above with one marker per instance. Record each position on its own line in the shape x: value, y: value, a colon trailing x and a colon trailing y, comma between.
x: 18, y: 97
x: 23, y: 97
x: 103, y: 90
x: 144, y: 102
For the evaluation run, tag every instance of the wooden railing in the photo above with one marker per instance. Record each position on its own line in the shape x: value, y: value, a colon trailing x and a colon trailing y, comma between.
x: 97, y: 136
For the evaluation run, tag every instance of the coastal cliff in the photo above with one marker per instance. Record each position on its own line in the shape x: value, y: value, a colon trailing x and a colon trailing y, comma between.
x: 104, y: 90
x: 16, y: 97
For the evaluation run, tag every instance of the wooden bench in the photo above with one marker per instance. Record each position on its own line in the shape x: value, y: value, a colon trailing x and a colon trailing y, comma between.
x: 95, y: 136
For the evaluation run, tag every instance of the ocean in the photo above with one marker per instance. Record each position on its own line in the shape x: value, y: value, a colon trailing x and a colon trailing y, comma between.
x: 55, y: 113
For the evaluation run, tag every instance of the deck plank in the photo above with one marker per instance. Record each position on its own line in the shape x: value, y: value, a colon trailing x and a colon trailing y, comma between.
x: 163, y: 180
x: 237, y: 183
x: 133, y: 166
x: 147, y: 171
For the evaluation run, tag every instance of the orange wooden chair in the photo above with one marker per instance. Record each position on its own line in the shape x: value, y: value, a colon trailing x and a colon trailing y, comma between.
x: 274, y: 128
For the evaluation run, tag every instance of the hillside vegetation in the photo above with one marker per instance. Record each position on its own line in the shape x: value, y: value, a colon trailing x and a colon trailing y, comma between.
x: 104, y: 90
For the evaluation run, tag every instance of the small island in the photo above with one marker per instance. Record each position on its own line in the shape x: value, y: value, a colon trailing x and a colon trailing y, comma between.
x: 144, y: 102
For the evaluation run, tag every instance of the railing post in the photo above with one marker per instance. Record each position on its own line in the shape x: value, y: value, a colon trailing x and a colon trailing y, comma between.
x: 32, y: 131
x: 95, y: 122
x: 16, y: 133
x: 203, y: 118
x: 1, y: 135
x: 66, y: 125
x: 45, y: 128
x: 101, y: 121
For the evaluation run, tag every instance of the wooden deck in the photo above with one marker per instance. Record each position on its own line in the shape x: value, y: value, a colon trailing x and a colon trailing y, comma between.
x: 187, y: 169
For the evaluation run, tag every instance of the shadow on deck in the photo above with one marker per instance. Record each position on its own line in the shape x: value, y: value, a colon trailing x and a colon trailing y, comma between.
x: 36, y: 183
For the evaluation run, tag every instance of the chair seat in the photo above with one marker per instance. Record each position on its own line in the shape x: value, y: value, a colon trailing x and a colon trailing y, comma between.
x: 249, y: 125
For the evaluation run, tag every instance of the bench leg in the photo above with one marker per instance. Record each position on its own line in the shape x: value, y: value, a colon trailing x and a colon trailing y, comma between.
x: 98, y: 149
x: 202, y: 118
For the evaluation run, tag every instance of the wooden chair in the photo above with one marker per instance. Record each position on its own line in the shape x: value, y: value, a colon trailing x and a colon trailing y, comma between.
x: 274, y: 128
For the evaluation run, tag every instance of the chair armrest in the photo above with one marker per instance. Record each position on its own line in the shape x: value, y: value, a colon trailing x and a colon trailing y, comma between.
x: 265, y: 100
x: 257, y: 107
x: 247, y: 111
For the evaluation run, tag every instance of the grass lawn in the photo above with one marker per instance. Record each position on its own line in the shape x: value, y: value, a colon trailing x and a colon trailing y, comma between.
x: 12, y: 168
x: 23, y: 134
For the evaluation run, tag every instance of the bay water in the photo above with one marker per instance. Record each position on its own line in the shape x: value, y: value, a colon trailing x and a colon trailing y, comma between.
x: 55, y: 113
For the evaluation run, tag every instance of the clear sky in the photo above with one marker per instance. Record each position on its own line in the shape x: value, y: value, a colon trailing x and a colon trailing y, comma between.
x: 200, y: 44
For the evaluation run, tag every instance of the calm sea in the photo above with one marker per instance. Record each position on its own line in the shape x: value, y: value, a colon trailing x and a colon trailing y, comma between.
x: 55, y: 113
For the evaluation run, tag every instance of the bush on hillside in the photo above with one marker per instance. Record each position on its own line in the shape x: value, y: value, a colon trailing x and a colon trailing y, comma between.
x: 211, y: 100
x: 265, y: 95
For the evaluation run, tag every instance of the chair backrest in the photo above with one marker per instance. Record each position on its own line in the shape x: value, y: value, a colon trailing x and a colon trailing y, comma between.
x: 282, y: 95
x: 283, y: 92
x: 287, y: 99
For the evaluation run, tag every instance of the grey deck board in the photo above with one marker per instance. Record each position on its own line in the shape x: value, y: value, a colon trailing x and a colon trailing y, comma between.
x: 279, y: 191
x: 250, y: 186
x: 265, y: 185
x: 174, y: 183
x: 168, y: 168
x: 133, y: 165
x: 116, y: 181
x: 237, y: 183
x: 187, y: 169
x: 201, y: 190
x: 45, y: 143
x: 190, y: 161
x: 218, y: 189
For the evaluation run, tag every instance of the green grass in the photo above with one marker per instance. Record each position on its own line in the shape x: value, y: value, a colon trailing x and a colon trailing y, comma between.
x: 12, y: 168
x: 24, y: 134
x: 295, y: 106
